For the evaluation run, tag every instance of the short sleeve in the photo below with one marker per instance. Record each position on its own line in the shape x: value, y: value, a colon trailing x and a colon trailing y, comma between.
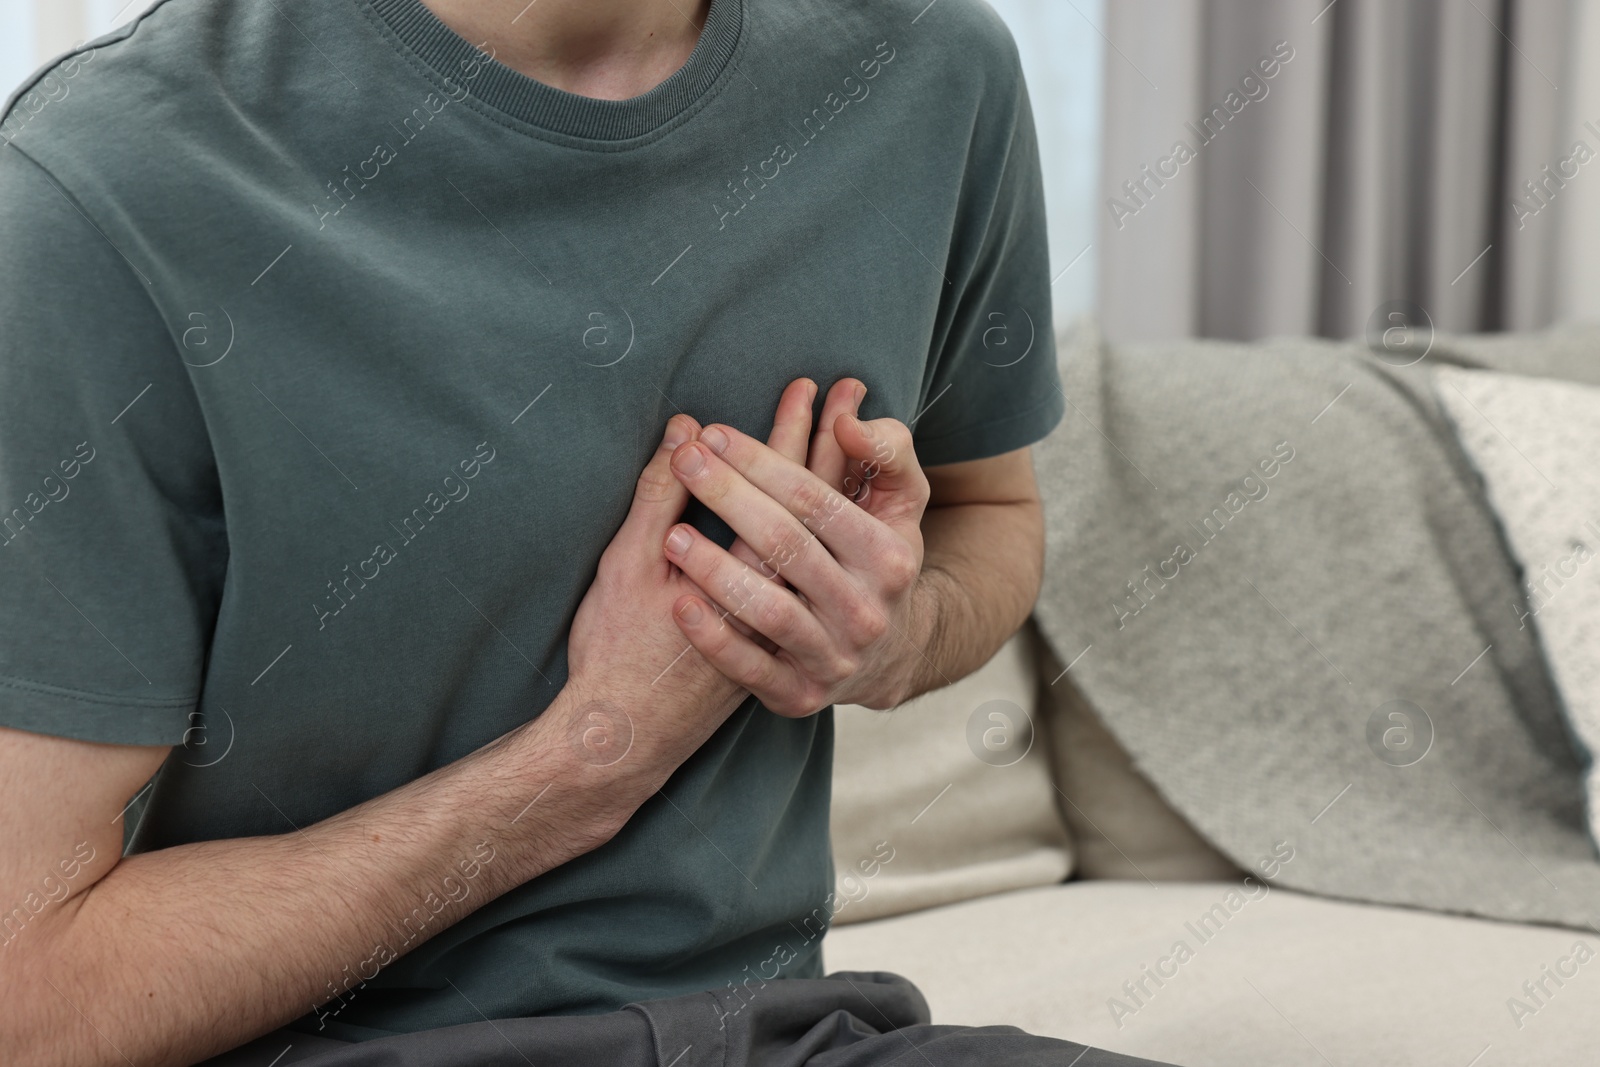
x: 994, y: 386
x: 112, y: 545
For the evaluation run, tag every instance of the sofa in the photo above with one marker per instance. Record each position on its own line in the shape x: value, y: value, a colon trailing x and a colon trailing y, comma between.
x: 996, y: 844
x: 1049, y: 893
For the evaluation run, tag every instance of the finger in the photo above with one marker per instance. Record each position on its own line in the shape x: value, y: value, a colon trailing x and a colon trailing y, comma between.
x: 783, y: 544
x: 886, y: 479
x: 852, y: 537
x: 737, y: 623
x: 791, y: 434
x: 791, y: 426
x: 658, y: 497
x: 826, y: 459
x: 765, y: 606
x: 773, y: 682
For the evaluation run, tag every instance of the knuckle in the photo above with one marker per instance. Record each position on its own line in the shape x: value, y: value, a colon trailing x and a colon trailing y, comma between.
x: 789, y: 702
x: 787, y: 707
x: 893, y: 443
x: 877, y: 540
x: 810, y: 499
x: 751, y: 591
x: 734, y: 599
x: 784, y: 544
x: 864, y: 623
x: 764, y: 683
x: 773, y: 617
x: 875, y: 627
x: 813, y: 697
x: 656, y: 484
x: 828, y: 506
x: 899, y: 436
x: 899, y: 569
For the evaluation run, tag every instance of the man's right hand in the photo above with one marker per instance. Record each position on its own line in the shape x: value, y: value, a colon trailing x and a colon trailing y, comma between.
x: 644, y: 698
x: 640, y: 692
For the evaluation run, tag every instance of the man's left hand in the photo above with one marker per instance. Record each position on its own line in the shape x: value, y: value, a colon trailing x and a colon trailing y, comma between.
x: 844, y: 619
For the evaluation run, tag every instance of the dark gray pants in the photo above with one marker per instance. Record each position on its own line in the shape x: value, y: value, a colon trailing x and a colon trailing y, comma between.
x: 848, y: 1019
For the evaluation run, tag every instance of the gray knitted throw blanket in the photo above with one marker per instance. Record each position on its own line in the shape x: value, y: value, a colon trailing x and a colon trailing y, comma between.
x: 1278, y: 582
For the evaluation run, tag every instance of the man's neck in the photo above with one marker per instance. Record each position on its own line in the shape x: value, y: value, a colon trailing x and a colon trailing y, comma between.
x: 608, y: 49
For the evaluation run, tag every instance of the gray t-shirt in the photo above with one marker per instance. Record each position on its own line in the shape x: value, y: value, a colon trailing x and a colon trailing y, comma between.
x: 330, y: 350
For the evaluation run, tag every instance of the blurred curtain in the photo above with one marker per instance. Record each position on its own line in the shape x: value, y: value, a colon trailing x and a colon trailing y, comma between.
x: 1339, y: 156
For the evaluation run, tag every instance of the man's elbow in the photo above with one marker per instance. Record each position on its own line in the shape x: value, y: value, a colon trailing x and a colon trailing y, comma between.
x: 1030, y: 579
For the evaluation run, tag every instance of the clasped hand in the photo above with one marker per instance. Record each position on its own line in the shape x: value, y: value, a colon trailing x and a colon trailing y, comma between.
x: 815, y: 603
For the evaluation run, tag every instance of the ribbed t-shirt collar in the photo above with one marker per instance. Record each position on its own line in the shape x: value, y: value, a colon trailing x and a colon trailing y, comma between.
x: 533, y: 102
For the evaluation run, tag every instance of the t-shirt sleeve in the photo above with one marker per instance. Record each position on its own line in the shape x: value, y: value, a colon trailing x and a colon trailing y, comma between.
x: 112, y: 545
x: 994, y: 386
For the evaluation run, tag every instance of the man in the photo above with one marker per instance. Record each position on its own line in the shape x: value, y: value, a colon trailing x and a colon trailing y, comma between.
x: 336, y: 335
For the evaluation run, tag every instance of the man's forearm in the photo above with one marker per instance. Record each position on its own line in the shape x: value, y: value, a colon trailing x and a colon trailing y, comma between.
x: 185, y: 952
x: 980, y: 576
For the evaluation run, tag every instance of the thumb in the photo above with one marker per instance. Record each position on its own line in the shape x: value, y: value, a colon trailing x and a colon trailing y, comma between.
x: 885, y: 479
x: 658, y: 497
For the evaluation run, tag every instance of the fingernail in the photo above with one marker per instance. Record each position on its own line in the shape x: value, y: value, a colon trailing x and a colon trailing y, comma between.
x: 678, y: 541
x: 866, y: 430
x: 691, y: 613
x: 811, y: 392
x: 690, y: 460
x: 861, y: 392
x: 676, y: 435
x: 715, y: 439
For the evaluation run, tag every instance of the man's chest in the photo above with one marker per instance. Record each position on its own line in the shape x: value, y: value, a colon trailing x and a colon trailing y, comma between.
x: 465, y: 390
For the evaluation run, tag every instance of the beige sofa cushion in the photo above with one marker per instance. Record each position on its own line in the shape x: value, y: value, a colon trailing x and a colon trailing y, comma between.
x: 1121, y: 827
x: 947, y: 797
x: 1285, y: 980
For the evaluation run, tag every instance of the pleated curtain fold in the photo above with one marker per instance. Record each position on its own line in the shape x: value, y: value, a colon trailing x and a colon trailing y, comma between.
x: 1278, y: 167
